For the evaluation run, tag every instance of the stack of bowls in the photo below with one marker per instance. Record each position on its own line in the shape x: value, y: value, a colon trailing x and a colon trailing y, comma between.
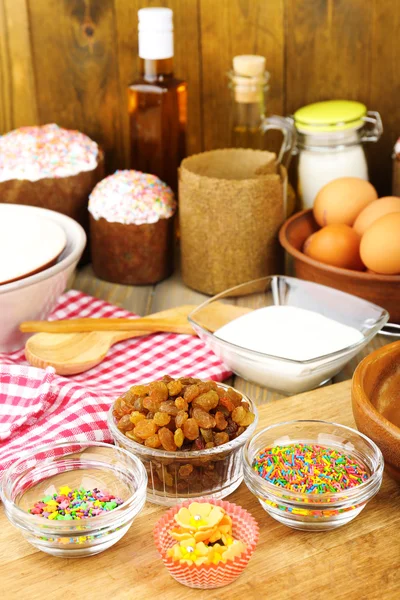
x: 34, y: 296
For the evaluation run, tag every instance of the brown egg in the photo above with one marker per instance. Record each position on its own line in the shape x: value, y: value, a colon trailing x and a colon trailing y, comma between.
x: 375, y: 210
x: 342, y: 200
x: 337, y: 245
x: 380, y: 245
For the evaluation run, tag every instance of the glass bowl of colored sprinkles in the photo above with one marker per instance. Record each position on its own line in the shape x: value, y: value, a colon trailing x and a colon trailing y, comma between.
x: 312, y: 475
x: 74, y: 499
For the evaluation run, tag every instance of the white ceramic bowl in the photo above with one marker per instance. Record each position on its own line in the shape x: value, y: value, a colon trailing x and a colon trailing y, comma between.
x: 35, y: 296
x: 283, y: 374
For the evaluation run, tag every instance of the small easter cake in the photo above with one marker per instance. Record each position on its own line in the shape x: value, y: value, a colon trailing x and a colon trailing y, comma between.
x: 131, y: 227
x: 50, y: 167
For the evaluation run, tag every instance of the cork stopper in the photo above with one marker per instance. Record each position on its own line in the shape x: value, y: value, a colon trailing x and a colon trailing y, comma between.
x: 249, y: 65
x: 248, y: 77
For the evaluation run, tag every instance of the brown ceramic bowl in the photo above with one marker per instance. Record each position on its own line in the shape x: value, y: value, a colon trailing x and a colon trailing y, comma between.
x: 375, y: 397
x: 383, y: 290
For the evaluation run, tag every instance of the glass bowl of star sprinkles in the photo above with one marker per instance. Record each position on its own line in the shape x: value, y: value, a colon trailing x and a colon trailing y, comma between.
x: 312, y: 475
x: 75, y: 498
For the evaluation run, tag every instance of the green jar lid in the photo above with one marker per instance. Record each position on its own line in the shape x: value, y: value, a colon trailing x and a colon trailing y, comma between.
x: 332, y: 115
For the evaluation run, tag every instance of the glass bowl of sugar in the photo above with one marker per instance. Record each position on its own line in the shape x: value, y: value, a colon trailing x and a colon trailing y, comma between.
x: 284, y: 333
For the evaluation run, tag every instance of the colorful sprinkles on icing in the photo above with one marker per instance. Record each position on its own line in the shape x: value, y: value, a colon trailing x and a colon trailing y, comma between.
x: 69, y: 505
x: 33, y: 153
x: 132, y: 197
x: 309, y: 468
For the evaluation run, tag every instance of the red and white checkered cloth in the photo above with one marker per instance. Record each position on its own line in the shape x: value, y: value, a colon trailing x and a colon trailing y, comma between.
x: 39, y: 407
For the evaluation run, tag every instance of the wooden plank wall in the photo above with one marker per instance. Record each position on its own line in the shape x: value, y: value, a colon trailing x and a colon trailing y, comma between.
x: 69, y: 61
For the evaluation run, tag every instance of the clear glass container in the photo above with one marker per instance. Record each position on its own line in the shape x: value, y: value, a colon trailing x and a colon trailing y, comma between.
x: 314, y: 512
x: 216, y: 472
x: 334, y: 148
x: 285, y: 375
x: 74, y: 464
x: 249, y: 121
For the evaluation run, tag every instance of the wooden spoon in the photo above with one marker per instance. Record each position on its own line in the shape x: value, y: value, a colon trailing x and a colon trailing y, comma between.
x: 72, y: 353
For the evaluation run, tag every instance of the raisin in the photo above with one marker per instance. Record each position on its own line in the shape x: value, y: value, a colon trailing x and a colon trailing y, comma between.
x: 185, y: 471
x: 232, y: 427
x: 238, y: 414
x: 240, y: 431
x: 151, y: 404
x: 207, y: 435
x: 203, y: 418
x: 138, y: 404
x: 221, y: 438
x: 166, y: 378
x: 149, y: 415
x: 180, y: 418
x: 191, y: 429
x: 179, y: 437
x: 136, y: 416
x: 125, y: 423
x: 174, y: 387
x: 225, y: 401
x: 247, y: 419
x: 165, y: 476
x: 159, y: 390
x: 172, y: 424
x: 145, y: 429
x: 130, y: 398
x: 132, y: 436
x: 198, y: 444
x: 210, y: 445
x: 207, y: 401
x: 182, y: 486
x: 191, y: 392
x: 206, y: 386
x: 167, y: 439
x: 123, y: 407
x: 161, y: 419
x: 234, y: 396
x: 169, y: 407
x: 139, y: 390
x: 222, y: 409
x: 181, y: 403
x: 220, y: 421
x: 189, y: 380
x: 153, y: 441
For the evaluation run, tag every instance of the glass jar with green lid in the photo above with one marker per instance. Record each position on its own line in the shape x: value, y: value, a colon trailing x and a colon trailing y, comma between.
x: 330, y: 137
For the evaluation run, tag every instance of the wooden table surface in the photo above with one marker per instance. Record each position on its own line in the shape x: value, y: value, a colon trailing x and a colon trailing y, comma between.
x: 357, y: 562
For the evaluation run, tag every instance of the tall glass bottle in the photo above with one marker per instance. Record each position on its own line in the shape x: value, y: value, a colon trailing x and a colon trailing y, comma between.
x: 157, y: 101
x: 249, y: 83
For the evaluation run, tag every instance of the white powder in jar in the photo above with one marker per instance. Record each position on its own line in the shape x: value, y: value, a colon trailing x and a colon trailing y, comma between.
x: 289, y: 332
x: 316, y: 169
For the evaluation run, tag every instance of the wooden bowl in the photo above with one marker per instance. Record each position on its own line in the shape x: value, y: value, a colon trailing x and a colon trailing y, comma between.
x: 375, y: 397
x: 383, y: 290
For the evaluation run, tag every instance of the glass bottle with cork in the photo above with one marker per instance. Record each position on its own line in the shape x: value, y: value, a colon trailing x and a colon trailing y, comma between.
x: 157, y: 101
x: 249, y: 82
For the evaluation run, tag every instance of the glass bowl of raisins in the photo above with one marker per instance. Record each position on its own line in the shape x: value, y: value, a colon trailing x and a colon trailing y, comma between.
x: 188, y: 433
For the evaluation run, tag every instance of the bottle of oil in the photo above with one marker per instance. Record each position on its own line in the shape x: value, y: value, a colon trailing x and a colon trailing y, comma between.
x: 249, y: 83
x: 157, y: 101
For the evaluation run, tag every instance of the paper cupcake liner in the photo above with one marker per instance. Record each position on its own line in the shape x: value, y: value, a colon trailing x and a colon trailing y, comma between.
x: 207, y: 576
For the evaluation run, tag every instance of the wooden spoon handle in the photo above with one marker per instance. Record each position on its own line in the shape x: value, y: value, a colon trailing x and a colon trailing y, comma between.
x: 147, y: 324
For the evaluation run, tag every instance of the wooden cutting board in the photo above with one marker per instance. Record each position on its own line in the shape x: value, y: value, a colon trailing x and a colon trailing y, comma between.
x: 360, y: 561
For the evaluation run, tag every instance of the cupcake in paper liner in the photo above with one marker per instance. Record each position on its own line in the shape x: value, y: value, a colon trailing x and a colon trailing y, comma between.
x: 206, y: 544
x: 131, y: 227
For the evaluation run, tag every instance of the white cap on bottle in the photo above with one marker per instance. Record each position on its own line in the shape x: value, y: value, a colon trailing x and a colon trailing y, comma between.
x: 156, y: 33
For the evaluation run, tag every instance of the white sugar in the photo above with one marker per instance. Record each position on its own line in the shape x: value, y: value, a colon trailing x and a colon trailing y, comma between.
x: 289, y: 332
